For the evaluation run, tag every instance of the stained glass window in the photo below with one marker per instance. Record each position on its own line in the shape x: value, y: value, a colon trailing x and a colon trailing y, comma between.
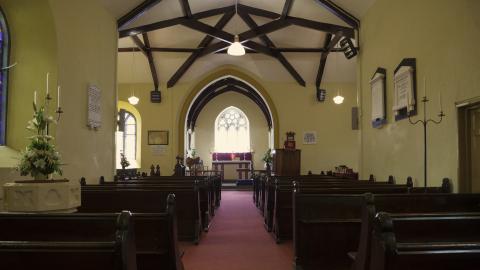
x: 232, y: 131
x: 4, y: 50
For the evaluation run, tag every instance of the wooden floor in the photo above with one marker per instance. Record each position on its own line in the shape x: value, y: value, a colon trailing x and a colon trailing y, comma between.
x: 237, y: 240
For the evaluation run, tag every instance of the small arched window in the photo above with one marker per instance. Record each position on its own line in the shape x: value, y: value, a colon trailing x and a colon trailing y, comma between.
x: 127, y: 138
x: 232, y: 131
x: 4, y: 58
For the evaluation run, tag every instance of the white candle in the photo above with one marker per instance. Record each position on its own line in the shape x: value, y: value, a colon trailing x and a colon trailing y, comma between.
x: 440, y: 101
x: 58, y: 96
x: 424, y: 86
x: 48, y: 75
x: 35, y: 97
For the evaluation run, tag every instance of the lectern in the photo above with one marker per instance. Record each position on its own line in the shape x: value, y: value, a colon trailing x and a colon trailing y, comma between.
x: 286, y: 162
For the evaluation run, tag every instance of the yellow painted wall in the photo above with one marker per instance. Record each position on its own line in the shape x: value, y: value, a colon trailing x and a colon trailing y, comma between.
x: 443, y: 35
x: 297, y: 109
x: 87, y: 43
x: 76, y: 42
x: 205, y: 133
x: 33, y: 47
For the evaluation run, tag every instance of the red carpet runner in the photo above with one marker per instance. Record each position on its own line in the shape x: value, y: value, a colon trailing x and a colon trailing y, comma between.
x: 237, y: 240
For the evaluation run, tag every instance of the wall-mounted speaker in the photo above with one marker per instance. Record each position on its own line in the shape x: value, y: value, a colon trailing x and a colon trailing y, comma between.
x: 321, y: 95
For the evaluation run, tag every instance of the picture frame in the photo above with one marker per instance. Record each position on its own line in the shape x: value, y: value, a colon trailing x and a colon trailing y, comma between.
x: 158, y: 137
x: 310, y: 137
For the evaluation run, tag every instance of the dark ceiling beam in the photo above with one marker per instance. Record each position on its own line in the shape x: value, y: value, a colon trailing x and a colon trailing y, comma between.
x: 329, y: 45
x: 145, y: 49
x: 258, y: 12
x: 340, y: 13
x: 320, y: 26
x: 264, y: 29
x: 172, y: 22
x: 323, y: 61
x: 151, y: 62
x: 227, y: 38
x: 190, y: 50
x: 135, y: 13
x: 286, y: 8
x: 252, y: 24
x: 201, y: 47
x: 187, y: 12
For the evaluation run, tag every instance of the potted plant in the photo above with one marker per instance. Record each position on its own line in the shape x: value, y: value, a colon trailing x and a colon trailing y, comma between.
x: 267, y: 158
x: 40, y: 158
x: 124, y: 162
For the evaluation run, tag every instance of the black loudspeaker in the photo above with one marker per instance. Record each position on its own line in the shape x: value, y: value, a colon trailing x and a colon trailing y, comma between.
x: 355, y: 124
x: 155, y: 96
x: 348, y: 49
x: 321, y: 94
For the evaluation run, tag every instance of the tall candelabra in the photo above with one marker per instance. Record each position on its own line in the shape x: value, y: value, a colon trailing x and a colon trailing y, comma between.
x: 425, y: 122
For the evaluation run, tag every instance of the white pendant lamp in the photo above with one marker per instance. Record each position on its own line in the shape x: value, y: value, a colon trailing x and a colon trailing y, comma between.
x: 133, y: 99
x: 236, y: 48
x: 338, y: 99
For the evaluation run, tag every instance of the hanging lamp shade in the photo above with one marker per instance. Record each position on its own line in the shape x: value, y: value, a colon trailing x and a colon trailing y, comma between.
x: 133, y: 100
x: 236, y: 48
x: 338, y: 99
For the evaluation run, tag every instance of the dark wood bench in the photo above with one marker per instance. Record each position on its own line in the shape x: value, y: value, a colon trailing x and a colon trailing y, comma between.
x: 407, y: 204
x: 281, y: 218
x: 147, y: 199
x: 203, y: 184
x: 426, y: 241
x: 67, y: 241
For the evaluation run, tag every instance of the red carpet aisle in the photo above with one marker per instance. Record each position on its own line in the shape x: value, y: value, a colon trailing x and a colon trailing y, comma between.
x: 237, y: 240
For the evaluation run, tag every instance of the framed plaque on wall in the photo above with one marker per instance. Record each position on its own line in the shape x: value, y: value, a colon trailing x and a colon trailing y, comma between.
x: 405, y: 90
x: 378, y: 86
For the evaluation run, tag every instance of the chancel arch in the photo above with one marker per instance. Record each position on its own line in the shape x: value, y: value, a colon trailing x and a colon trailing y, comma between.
x: 222, y: 81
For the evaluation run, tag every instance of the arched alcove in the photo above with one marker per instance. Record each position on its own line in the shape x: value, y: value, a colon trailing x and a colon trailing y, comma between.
x: 223, y: 81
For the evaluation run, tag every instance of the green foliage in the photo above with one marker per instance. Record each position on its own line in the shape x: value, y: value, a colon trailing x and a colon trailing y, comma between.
x: 40, y: 157
x: 267, y: 158
x: 123, y: 161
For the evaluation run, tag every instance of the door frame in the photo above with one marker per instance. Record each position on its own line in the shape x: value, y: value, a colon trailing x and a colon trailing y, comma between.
x: 464, y: 143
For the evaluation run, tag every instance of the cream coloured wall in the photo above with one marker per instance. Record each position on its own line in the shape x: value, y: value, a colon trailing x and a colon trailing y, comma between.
x: 87, y: 43
x: 54, y: 36
x: 205, y: 133
x: 297, y: 109
x: 443, y: 35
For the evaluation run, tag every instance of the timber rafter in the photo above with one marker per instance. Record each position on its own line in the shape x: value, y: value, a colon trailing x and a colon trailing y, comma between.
x: 205, y: 47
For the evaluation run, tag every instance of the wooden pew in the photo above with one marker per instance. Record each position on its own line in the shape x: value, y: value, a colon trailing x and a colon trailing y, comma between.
x: 67, y: 241
x: 326, y: 224
x: 416, y: 203
x: 147, y: 199
x: 205, y: 189
x: 428, y: 241
x: 279, y: 205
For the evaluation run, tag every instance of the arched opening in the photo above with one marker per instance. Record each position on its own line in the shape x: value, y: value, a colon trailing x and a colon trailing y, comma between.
x: 230, y: 97
x: 128, y: 135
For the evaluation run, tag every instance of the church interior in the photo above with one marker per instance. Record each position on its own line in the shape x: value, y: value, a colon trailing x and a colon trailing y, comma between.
x: 239, y: 134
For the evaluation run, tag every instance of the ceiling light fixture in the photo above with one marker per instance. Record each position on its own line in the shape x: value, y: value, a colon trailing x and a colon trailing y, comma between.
x: 338, y: 99
x: 133, y: 99
x: 236, y: 48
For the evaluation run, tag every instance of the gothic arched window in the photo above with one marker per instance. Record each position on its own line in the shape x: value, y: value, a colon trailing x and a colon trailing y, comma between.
x: 232, y: 131
x: 4, y: 55
x: 127, y: 138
